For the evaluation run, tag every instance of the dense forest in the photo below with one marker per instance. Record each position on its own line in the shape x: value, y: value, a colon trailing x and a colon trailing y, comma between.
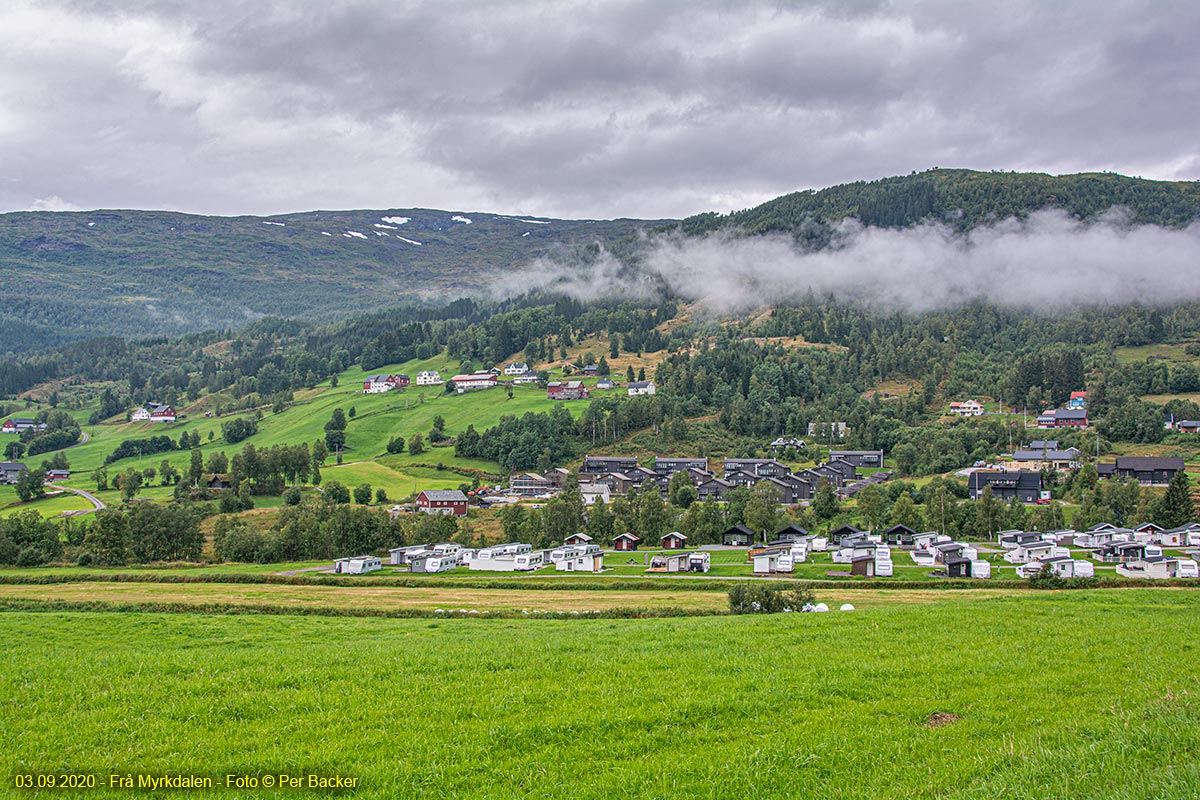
x: 962, y: 199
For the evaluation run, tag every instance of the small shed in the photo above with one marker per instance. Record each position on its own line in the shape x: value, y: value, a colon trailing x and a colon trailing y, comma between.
x: 626, y: 541
x: 863, y: 565
x: 577, y: 539
x: 957, y: 567
x: 673, y: 541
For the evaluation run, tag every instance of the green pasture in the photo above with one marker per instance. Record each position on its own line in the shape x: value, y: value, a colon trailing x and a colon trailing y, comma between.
x: 969, y: 699
x: 377, y: 419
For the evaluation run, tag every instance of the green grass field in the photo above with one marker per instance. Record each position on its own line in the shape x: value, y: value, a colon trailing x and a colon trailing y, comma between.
x: 50, y: 506
x: 1036, y: 696
x: 377, y: 419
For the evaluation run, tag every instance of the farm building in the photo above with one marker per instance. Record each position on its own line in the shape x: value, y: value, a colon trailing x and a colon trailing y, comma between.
x: 442, y: 501
x: 641, y: 387
x: 566, y: 390
x: 626, y: 542
x: 57, y: 475
x: 377, y: 384
x: 10, y: 471
x: 1078, y: 400
x: 673, y: 541
x: 516, y: 368
x: 606, y: 383
x: 478, y: 380
x: 429, y: 377
x: 153, y: 412
x: 527, y: 377
x: 19, y: 424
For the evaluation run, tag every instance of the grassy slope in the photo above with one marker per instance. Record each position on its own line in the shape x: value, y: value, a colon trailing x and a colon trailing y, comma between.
x: 1055, y: 695
x: 377, y: 419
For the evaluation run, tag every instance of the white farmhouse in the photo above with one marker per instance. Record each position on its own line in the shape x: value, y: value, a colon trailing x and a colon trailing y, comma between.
x: 429, y: 377
x: 641, y: 387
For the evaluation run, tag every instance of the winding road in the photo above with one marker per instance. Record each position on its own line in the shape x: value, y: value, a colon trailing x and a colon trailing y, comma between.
x: 97, y: 504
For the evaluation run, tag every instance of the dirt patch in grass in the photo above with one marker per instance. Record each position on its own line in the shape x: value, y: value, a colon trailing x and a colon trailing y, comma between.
x: 941, y: 719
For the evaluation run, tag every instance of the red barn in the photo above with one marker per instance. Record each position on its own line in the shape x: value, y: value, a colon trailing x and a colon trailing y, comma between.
x: 442, y: 501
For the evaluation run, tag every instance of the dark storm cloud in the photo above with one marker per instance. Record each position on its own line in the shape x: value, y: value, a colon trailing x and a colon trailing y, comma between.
x: 637, y: 108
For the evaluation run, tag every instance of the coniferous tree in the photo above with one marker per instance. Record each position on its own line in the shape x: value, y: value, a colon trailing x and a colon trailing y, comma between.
x: 1176, y: 507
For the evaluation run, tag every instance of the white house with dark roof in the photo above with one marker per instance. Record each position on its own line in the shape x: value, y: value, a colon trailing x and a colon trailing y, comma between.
x: 516, y: 368
x: 429, y: 377
x: 641, y: 387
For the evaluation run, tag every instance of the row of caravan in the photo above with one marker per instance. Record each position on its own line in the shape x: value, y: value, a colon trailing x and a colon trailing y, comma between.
x: 508, y: 557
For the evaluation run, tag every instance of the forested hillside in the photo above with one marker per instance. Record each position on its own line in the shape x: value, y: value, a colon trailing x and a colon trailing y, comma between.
x: 75, y: 275
x: 962, y: 199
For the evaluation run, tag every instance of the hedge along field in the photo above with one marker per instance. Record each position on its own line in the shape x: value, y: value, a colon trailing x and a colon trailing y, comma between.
x: 1046, y: 696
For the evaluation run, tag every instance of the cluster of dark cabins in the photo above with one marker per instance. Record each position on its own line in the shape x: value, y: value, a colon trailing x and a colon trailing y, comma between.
x: 621, y: 475
x: 1025, y: 486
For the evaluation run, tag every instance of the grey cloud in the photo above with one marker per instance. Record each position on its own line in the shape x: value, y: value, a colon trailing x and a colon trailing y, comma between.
x: 634, y: 108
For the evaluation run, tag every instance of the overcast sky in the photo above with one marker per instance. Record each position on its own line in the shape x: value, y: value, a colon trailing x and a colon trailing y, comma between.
x: 646, y: 108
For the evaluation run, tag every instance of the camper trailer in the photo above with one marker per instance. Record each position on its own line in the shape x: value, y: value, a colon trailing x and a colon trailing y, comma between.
x: 358, y: 565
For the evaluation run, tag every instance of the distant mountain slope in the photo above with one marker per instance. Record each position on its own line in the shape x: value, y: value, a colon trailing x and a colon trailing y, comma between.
x: 142, y: 273
x: 961, y: 198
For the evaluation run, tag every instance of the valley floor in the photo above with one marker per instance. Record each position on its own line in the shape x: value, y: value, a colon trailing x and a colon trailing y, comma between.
x: 1024, y: 695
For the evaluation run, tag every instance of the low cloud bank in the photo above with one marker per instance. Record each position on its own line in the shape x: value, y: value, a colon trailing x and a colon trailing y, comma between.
x: 1047, y: 260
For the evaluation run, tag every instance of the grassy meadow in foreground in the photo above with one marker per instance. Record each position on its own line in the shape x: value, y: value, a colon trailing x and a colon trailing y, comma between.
x: 1042, y: 695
